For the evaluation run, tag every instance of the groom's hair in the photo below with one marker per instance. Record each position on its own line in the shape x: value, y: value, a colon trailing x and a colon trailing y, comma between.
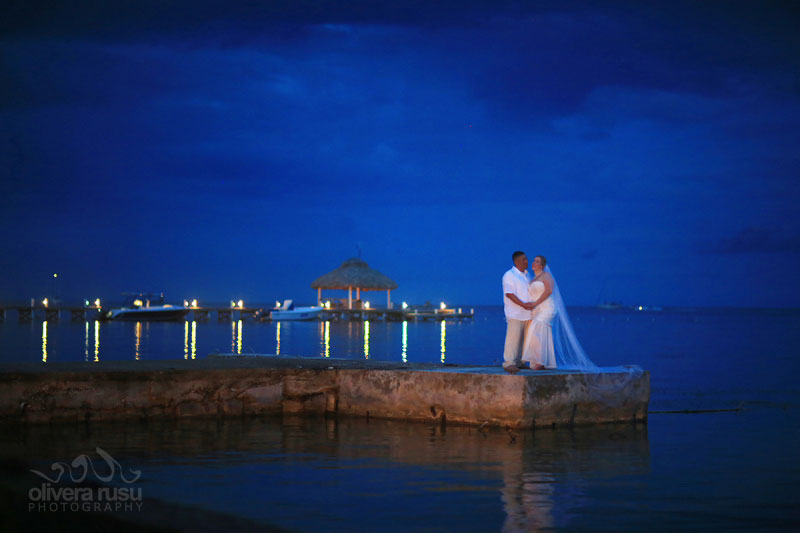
x: 516, y: 254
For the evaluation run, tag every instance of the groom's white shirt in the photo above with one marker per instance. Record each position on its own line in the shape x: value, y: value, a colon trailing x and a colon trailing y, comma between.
x: 516, y: 283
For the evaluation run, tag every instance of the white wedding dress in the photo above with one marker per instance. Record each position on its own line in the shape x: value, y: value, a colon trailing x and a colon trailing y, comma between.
x: 538, y: 345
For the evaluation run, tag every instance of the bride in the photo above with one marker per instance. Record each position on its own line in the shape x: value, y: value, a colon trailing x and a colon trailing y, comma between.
x: 551, y: 343
x: 538, y: 348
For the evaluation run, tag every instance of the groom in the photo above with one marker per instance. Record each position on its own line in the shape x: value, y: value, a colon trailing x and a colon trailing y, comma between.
x: 517, y: 309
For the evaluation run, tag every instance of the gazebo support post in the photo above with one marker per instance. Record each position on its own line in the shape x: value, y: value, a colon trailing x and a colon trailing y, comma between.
x: 349, y: 297
x: 388, y: 298
x: 319, y: 296
x: 358, y: 293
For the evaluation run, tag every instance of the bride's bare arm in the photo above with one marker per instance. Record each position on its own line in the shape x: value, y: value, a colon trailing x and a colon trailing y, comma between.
x: 547, y: 279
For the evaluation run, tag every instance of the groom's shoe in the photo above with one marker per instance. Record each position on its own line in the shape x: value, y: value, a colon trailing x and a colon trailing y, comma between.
x: 511, y: 369
x: 524, y: 365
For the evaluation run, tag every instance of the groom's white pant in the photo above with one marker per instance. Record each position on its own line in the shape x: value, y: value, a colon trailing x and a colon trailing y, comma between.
x: 515, y: 336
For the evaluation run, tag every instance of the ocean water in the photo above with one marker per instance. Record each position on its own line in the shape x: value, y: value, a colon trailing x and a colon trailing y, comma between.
x: 719, y: 450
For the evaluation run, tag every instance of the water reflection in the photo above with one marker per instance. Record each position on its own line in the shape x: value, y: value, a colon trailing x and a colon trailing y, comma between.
x: 348, y: 339
x: 527, y: 499
x: 352, y: 338
x: 366, y: 339
x: 349, y: 335
x: 194, y: 339
x: 86, y: 338
x: 236, y: 336
x: 443, y: 337
x: 532, y: 472
x: 321, y: 329
x: 44, y: 341
x: 137, y: 334
x: 86, y: 341
x: 497, y: 484
x: 404, y: 353
x: 97, y: 340
x: 327, y: 338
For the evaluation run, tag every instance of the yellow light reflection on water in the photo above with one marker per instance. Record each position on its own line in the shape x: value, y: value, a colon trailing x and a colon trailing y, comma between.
x: 278, y: 339
x: 194, y: 339
x: 321, y: 338
x: 137, y: 334
x: 186, y: 339
x: 404, y: 354
x: 86, y: 341
x: 96, y: 341
x: 233, y: 336
x: 444, y: 336
x: 44, y: 341
x: 239, y: 338
x: 366, y: 339
x: 327, y: 338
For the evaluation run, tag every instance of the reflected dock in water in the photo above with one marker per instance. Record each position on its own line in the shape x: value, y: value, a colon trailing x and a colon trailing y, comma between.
x: 256, y: 468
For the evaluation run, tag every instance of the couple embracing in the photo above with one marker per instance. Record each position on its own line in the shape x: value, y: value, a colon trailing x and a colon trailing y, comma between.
x: 529, y: 309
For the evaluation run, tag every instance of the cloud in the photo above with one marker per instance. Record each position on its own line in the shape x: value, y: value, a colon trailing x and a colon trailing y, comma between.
x: 756, y: 240
x: 238, y: 21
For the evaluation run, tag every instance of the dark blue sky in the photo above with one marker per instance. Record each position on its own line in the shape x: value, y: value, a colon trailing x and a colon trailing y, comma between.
x: 236, y: 150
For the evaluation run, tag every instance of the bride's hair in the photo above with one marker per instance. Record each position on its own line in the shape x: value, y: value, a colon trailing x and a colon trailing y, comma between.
x: 544, y: 260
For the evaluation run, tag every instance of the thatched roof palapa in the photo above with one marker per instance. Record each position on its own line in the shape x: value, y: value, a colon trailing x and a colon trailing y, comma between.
x: 354, y: 273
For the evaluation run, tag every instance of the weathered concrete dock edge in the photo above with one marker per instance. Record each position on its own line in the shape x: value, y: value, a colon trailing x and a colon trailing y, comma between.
x: 256, y: 386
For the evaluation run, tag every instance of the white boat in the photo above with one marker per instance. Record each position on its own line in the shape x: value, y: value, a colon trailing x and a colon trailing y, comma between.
x: 139, y: 307
x: 288, y: 311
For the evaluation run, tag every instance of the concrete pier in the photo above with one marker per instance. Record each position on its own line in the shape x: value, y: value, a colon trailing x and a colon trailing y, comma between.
x: 232, y: 386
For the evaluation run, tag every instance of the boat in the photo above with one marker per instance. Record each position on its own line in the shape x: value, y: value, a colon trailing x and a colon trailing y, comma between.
x: 610, y: 305
x: 288, y: 311
x: 139, y: 307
